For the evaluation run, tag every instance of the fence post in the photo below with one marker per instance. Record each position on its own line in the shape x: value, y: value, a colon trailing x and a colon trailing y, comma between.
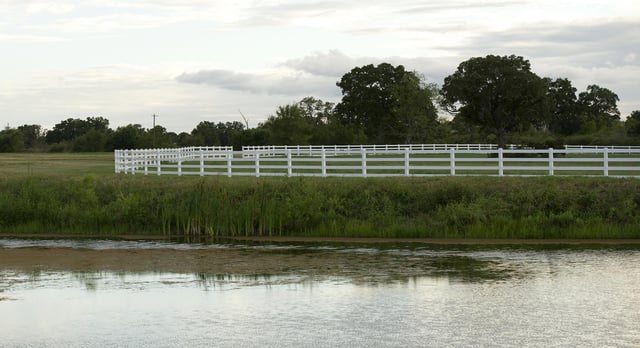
x: 500, y: 162
x: 158, y: 162
x: 605, y: 156
x: 363, y: 153
x: 132, y: 162
x: 257, y: 164
x: 452, y: 161
x: 406, y: 162
x: 324, y: 163
x: 201, y: 162
x: 230, y: 160
x: 179, y: 162
x: 146, y: 161
x: 289, y: 163
x: 550, y: 161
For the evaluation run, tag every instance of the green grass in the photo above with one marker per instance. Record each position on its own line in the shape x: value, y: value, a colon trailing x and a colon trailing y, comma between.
x: 79, y: 193
x: 56, y: 164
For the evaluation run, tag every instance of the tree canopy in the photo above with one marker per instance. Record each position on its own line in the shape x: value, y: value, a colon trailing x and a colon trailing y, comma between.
x: 391, y: 104
x: 599, y: 106
x: 564, y: 117
x: 499, y: 94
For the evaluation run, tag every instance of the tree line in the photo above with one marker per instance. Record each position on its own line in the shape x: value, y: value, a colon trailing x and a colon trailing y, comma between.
x: 492, y: 99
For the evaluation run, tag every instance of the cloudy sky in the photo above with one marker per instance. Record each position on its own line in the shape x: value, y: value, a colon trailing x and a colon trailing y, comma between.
x: 194, y: 60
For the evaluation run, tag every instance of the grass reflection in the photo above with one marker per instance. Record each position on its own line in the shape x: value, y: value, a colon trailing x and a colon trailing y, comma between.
x: 139, y: 265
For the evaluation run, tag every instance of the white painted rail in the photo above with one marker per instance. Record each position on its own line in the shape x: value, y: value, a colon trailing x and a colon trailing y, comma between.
x: 337, y: 150
x: 587, y: 148
x: 367, y: 162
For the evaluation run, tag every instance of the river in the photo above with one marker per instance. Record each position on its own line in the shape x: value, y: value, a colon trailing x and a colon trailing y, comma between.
x: 97, y: 293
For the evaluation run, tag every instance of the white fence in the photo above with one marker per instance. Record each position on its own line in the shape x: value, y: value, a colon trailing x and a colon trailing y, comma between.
x: 337, y: 150
x: 367, y: 163
x: 588, y: 148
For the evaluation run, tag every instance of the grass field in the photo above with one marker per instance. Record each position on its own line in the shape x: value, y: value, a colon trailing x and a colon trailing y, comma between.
x: 58, y: 164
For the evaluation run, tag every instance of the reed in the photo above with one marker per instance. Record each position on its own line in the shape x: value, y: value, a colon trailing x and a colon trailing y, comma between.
x: 453, y: 207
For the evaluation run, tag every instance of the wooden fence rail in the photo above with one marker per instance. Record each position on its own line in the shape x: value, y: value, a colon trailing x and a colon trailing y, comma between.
x: 379, y: 162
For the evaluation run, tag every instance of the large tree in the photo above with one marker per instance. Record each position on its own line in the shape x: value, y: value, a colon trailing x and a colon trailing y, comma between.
x: 599, y: 107
x: 127, y: 137
x: 563, y: 103
x: 11, y: 140
x: 33, y: 136
x: 317, y: 110
x: 72, y: 128
x: 289, y: 126
x: 391, y: 104
x: 499, y: 94
x: 633, y: 124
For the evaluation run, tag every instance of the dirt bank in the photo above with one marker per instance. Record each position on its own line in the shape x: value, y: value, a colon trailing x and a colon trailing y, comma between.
x: 438, y: 241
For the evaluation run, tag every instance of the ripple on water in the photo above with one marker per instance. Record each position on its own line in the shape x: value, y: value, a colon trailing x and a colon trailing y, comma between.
x: 374, y: 296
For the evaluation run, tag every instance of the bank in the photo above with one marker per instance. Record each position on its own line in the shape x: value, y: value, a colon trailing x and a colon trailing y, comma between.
x: 431, y: 207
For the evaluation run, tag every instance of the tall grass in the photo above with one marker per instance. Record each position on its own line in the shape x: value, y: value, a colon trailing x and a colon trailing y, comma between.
x: 457, y: 207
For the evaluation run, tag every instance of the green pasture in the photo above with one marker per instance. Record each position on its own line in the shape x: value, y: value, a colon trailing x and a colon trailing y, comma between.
x: 56, y: 164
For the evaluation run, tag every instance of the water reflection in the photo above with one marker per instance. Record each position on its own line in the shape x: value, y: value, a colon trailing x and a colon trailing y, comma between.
x: 295, y: 262
x: 316, y: 295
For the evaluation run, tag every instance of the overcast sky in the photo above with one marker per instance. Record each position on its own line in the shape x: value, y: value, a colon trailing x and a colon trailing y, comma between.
x: 194, y: 60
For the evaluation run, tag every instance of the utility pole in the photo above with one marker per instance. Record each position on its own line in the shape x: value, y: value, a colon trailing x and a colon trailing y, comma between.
x: 154, y: 129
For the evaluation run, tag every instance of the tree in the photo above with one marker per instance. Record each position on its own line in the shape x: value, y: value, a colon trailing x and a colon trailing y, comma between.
x: 498, y: 93
x: 127, y: 137
x: 91, y: 141
x: 633, y: 124
x: 11, y: 140
x: 229, y: 132
x: 33, y: 136
x: 319, y: 111
x: 71, y: 128
x: 289, y: 126
x: 221, y: 134
x: 563, y: 103
x: 208, y: 132
x: 599, y: 106
x: 390, y: 104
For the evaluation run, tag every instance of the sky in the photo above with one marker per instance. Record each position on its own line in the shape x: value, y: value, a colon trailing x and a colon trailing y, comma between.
x: 189, y: 61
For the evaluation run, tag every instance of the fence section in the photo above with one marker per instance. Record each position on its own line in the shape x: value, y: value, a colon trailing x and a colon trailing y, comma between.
x: 379, y: 162
x: 338, y: 150
x: 589, y: 148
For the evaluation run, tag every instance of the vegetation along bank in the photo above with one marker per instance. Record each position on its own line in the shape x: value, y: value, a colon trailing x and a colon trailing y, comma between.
x: 434, y: 207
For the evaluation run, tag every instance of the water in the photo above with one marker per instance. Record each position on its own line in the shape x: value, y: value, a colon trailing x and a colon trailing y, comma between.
x: 378, y: 295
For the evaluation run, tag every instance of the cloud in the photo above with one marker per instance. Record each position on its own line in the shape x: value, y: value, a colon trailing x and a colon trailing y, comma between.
x: 106, y: 23
x: 36, y: 6
x: 56, y: 8
x: 596, y: 44
x: 226, y: 79
x: 314, y: 74
x: 441, y: 6
x: 23, y: 38
x: 333, y: 63
x: 279, y: 83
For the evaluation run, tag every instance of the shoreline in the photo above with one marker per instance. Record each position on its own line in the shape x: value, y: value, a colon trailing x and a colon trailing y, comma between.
x: 346, y: 240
